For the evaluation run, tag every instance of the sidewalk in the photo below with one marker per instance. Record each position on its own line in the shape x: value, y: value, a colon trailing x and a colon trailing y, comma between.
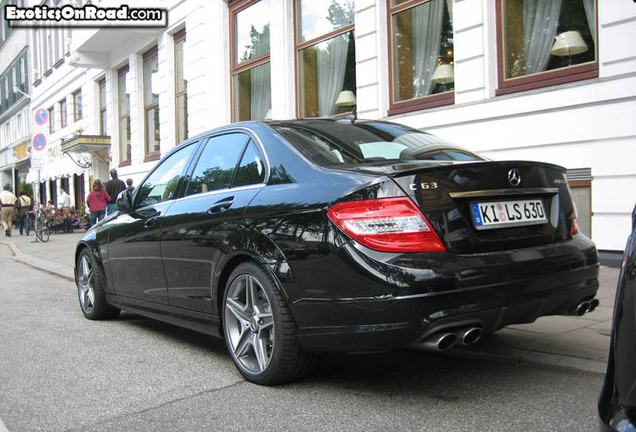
x: 579, y: 344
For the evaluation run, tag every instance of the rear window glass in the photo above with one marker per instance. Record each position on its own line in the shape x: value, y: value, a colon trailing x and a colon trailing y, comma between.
x: 333, y: 143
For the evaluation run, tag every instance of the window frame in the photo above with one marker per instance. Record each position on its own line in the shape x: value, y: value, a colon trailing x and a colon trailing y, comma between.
x: 180, y: 38
x: 236, y: 68
x: 51, y: 111
x: 102, y: 105
x: 299, y: 46
x: 543, y: 79
x: 123, y: 71
x: 63, y: 113
x: 77, y: 105
x: 422, y: 103
x: 150, y: 107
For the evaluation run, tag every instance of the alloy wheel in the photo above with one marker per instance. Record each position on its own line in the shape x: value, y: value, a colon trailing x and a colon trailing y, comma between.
x: 249, y: 324
x: 85, y: 284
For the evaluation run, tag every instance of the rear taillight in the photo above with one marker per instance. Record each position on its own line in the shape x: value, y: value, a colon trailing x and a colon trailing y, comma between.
x: 387, y: 225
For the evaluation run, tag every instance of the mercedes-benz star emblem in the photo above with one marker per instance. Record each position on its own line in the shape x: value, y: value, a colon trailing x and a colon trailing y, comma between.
x: 514, y: 177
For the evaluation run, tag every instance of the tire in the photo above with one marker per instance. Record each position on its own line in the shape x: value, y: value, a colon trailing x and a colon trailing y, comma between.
x: 90, y: 288
x: 259, y: 330
x: 42, y: 232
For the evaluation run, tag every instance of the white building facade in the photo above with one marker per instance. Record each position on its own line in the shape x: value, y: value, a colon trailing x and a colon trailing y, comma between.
x: 15, y: 112
x: 486, y: 74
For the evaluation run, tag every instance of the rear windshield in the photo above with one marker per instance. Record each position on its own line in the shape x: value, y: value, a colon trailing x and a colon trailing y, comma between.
x: 333, y: 143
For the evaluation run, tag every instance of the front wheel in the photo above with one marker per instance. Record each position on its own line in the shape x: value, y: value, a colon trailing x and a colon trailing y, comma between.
x: 259, y: 329
x: 90, y: 288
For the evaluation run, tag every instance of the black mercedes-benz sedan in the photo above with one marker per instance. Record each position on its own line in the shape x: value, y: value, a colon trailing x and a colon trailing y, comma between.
x: 289, y: 238
x: 617, y: 405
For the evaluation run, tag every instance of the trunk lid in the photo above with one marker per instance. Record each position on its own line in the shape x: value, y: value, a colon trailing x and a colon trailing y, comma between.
x: 488, y: 206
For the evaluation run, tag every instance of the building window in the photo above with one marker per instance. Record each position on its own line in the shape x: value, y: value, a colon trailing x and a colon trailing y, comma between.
x: 181, y: 88
x: 77, y: 105
x: 51, y: 111
x: 13, y: 82
x: 123, y: 101
x: 325, y: 48
x: 251, y: 79
x: 62, y: 105
x: 422, y: 57
x: 543, y: 43
x: 151, y: 103
x: 103, y: 126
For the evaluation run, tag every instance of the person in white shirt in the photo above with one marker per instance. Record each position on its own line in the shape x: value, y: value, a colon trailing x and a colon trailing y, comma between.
x: 65, y: 198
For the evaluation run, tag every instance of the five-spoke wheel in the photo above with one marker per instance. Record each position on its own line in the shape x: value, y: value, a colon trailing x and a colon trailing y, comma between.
x: 259, y: 330
x: 90, y: 288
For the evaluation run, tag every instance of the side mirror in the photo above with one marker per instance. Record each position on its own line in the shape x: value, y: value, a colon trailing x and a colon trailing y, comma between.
x: 124, y: 201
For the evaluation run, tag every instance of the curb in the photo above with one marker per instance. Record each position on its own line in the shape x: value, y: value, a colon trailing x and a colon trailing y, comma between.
x: 50, y: 267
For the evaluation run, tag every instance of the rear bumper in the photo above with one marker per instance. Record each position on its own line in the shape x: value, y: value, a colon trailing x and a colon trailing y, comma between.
x: 375, y: 301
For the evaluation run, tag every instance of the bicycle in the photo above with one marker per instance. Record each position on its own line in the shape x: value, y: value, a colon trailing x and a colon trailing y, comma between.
x: 41, y: 226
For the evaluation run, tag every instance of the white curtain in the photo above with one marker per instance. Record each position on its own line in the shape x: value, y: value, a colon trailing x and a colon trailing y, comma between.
x: 332, y: 65
x: 260, y: 91
x: 427, y: 24
x: 589, y: 14
x: 540, y: 22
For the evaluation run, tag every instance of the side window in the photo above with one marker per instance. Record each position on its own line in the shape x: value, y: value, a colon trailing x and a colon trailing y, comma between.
x: 162, y: 184
x: 251, y: 169
x: 217, y: 162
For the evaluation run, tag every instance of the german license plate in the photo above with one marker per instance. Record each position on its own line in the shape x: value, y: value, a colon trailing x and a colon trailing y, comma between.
x: 502, y: 214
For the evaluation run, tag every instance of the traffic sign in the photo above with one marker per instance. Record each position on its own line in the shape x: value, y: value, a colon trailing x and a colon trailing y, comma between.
x: 39, y: 142
x: 37, y: 163
x: 41, y: 117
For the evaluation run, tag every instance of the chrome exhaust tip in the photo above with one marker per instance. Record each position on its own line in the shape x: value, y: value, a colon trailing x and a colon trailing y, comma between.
x: 582, y: 308
x: 439, y: 341
x: 471, y: 335
x: 593, y: 305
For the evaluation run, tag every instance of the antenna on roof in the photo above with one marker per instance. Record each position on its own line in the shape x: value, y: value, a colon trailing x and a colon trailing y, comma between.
x: 353, y: 116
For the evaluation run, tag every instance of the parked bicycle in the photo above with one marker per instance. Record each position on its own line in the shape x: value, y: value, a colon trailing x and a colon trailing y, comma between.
x: 41, y: 225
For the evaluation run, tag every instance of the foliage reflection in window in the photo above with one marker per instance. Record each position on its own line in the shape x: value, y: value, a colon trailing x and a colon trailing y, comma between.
x: 217, y: 162
x: 251, y: 77
x: 530, y: 29
x: 326, y: 56
x: 422, y: 50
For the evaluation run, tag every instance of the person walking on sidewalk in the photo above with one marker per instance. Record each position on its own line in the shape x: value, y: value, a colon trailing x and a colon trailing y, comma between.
x: 24, y: 206
x: 7, y: 200
x: 97, y: 200
x: 113, y: 186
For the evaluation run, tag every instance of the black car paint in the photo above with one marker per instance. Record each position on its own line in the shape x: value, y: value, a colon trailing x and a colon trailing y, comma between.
x: 617, y: 404
x: 344, y: 296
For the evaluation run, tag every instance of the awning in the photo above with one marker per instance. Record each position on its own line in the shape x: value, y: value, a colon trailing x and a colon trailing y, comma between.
x: 60, y: 167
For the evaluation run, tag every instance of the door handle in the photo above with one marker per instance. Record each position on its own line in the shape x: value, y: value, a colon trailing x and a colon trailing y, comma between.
x: 152, y: 220
x: 221, y: 205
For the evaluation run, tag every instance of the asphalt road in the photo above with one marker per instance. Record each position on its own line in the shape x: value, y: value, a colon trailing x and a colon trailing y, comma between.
x: 61, y: 372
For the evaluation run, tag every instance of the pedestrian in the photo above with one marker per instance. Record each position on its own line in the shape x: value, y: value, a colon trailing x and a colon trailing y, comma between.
x: 24, y: 207
x: 7, y: 200
x: 65, y: 198
x: 97, y: 200
x: 129, y: 184
x: 113, y: 186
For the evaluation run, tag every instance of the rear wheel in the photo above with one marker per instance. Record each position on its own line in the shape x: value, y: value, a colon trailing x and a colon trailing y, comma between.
x: 259, y: 329
x: 90, y: 288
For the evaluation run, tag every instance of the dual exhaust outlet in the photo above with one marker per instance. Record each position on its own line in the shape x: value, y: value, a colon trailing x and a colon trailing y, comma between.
x: 586, y: 306
x: 446, y: 339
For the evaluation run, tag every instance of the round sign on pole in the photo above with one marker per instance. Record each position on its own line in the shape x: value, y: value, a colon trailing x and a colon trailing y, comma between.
x: 39, y: 142
x: 41, y: 117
